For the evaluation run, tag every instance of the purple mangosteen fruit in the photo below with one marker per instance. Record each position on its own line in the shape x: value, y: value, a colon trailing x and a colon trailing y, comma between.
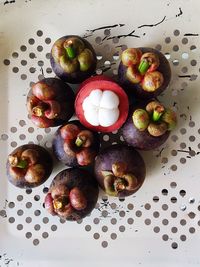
x: 29, y: 166
x: 144, y: 72
x: 149, y: 125
x: 120, y: 170
x: 50, y: 103
x: 72, y: 195
x: 75, y: 145
x: 73, y: 59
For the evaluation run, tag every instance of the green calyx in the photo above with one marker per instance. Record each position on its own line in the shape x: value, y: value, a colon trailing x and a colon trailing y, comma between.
x: 17, y: 162
x: 156, y: 115
x: 70, y: 52
x: 79, y: 142
x: 143, y: 66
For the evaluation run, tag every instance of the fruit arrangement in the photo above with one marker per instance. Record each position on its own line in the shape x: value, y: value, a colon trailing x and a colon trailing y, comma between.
x: 101, y: 105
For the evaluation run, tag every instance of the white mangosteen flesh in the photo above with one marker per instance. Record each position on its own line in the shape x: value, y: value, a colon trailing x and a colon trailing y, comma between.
x: 91, y: 115
x: 108, y: 117
x: 101, y: 108
x: 95, y: 97
x: 109, y: 100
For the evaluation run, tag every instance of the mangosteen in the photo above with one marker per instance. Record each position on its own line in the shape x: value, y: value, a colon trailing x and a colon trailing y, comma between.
x: 101, y: 104
x: 73, y: 59
x: 72, y: 195
x: 75, y: 145
x: 149, y: 125
x: 144, y: 72
x: 50, y: 103
x: 29, y: 166
x: 120, y: 170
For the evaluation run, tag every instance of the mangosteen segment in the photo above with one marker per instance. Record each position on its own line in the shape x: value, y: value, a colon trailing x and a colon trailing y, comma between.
x: 101, y: 108
x: 152, y: 81
x: 29, y: 166
x: 48, y: 204
x: 120, y: 170
x: 74, y: 145
x: 77, y: 199
x: 140, y: 119
x: 73, y: 59
x: 131, y: 56
x: 50, y: 102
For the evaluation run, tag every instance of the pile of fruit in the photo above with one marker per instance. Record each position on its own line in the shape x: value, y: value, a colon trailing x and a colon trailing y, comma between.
x: 101, y: 105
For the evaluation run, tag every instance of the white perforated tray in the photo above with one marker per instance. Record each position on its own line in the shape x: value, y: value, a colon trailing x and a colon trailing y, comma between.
x: 160, y: 224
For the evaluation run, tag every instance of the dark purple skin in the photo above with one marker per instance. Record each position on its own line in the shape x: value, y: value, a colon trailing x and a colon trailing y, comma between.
x: 136, y: 89
x: 58, y: 142
x: 78, y: 76
x: 44, y: 158
x: 120, y: 153
x: 141, y: 139
x: 84, y: 180
x: 65, y: 96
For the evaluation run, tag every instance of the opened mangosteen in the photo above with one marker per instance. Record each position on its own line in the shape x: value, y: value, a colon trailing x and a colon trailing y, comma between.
x: 72, y: 195
x: 119, y: 170
x: 144, y: 72
x: 73, y: 59
x: 50, y: 103
x: 101, y: 104
x: 29, y: 166
x: 149, y: 125
x: 74, y: 145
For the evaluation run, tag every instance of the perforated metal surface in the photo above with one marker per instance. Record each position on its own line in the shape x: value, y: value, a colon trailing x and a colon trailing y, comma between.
x: 164, y: 214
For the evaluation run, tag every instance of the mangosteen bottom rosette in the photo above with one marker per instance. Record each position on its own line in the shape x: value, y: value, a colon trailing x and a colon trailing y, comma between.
x: 120, y: 170
x: 29, y: 166
x: 75, y: 145
x: 72, y: 195
x: 73, y: 59
x: 50, y: 102
x: 149, y: 125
